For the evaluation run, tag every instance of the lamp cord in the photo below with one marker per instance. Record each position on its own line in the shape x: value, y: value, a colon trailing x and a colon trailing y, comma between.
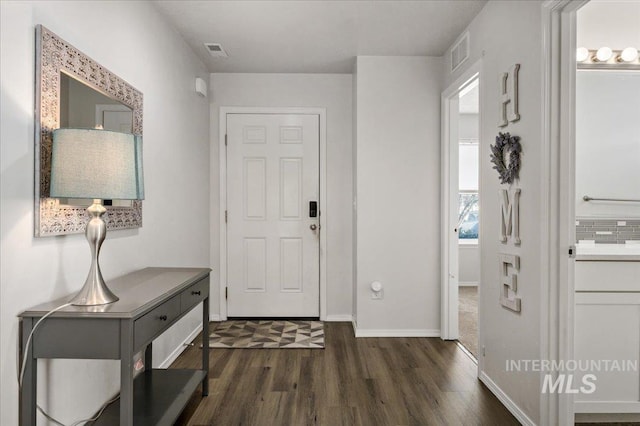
x: 26, y: 346
x: 21, y: 370
x: 93, y: 419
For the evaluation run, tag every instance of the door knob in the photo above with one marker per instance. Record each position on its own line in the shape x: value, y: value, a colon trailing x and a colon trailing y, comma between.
x: 313, y: 227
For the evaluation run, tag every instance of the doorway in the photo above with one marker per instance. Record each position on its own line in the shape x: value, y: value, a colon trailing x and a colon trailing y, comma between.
x: 468, y: 215
x: 460, y: 269
x: 272, y: 190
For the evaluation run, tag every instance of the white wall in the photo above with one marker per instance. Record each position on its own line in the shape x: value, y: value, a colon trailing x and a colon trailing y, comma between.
x: 398, y: 193
x: 132, y: 40
x: 468, y: 126
x: 468, y: 129
x: 505, y: 33
x: 330, y: 91
x: 468, y: 172
x: 608, y: 23
x: 468, y: 265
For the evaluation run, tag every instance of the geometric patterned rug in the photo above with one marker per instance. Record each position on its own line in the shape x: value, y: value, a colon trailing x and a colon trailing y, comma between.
x: 267, y: 334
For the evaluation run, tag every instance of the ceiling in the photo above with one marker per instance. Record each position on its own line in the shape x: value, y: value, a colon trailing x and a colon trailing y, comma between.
x: 301, y: 36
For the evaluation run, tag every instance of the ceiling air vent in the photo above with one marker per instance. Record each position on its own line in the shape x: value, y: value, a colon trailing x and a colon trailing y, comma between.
x: 460, y: 52
x: 216, y: 50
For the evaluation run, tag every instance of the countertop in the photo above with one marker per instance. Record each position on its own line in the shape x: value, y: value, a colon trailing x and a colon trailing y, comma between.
x: 608, y: 252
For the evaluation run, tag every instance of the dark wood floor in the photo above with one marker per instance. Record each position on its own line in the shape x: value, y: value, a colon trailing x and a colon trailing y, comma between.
x: 365, y: 381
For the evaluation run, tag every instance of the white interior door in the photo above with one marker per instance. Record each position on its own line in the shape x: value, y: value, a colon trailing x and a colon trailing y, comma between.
x: 273, y: 251
x: 452, y: 230
x: 118, y: 118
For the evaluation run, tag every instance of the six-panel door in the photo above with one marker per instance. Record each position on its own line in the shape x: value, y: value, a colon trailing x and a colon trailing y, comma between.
x: 272, y: 240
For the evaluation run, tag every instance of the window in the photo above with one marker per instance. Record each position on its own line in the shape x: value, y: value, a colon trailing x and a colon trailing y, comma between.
x: 468, y: 216
x: 468, y: 194
x: 468, y: 165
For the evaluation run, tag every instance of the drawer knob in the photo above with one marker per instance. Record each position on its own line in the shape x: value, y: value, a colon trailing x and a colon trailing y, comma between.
x: 162, y: 317
x: 195, y: 293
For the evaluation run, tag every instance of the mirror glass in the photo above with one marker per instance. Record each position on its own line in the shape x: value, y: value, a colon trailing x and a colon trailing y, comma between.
x: 608, y: 143
x: 84, y: 107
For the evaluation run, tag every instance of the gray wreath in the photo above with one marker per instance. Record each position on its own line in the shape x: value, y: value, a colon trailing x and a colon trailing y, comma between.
x: 506, y: 144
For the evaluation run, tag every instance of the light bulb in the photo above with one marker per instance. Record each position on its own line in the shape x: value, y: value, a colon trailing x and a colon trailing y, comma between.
x: 629, y: 54
x: 604, y: 54
x: 582, y: 53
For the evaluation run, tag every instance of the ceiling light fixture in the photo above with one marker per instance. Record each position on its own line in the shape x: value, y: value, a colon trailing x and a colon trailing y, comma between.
x: 582, y: 54
x: 607, y: 58
x: 629, y: 54
x: 604, y: 54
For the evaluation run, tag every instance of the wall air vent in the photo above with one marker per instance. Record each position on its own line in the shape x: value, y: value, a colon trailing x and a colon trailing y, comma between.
x: 216, y: 50
x: 460, y: 52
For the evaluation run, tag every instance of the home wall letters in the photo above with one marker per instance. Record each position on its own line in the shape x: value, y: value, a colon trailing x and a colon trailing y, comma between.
x: 508, y: 109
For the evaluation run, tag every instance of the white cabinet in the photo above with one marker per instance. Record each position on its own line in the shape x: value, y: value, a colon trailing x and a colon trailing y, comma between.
x: 607, y: 276
x: 607, y: 334
x: 607, y: 331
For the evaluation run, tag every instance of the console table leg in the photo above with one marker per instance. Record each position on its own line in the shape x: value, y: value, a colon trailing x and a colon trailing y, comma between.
x: 148, y: 357
x: 28, y: 392
x: 205, y: 346
x: 126, y: 373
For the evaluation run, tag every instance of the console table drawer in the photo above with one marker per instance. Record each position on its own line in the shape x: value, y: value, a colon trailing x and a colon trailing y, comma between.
x: 147, y: 327
x: 194, y: 294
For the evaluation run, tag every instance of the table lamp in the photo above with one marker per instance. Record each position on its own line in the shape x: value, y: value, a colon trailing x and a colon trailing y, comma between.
x: 100, y: 165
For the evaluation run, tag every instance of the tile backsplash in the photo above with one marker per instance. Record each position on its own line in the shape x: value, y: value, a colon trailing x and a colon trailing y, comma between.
x: 608, y: 231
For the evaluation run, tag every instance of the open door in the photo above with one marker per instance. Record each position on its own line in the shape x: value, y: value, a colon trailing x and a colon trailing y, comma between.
x: 452, y: 214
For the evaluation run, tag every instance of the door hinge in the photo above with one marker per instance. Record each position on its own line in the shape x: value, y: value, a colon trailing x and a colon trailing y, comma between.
x: 226, y: 216
x: 572, y: 251
x: 226, y: 293
x: 225, y: 139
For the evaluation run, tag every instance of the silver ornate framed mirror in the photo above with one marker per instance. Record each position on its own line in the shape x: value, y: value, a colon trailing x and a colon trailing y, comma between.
x: 73, y: 90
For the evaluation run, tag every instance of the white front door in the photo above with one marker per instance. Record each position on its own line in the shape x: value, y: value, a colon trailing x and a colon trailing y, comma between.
x: 272, y: 231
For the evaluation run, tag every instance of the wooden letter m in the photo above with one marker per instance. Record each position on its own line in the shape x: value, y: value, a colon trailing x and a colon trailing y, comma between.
x: 510, y: 215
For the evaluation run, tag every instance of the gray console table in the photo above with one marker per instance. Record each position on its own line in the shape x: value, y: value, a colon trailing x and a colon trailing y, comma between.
x: 151, y: 300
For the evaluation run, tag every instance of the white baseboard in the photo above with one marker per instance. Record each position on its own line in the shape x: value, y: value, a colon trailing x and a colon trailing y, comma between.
x: 177, y: 351
x: 396, y: 332
x: 339, y: 318
x: 468, y: 284
x: 607, y: 418
x: 506, y: 401
x: 214, y: 317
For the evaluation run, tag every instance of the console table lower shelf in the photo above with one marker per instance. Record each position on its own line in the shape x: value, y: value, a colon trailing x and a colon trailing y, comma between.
x: 159, y: 396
